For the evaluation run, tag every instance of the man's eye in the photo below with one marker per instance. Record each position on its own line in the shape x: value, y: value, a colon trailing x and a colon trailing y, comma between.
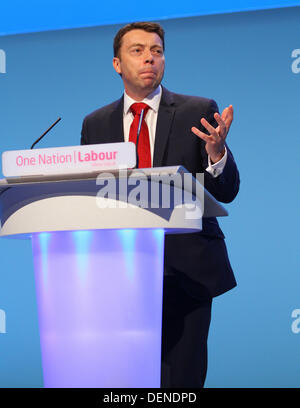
x: 157, y: 51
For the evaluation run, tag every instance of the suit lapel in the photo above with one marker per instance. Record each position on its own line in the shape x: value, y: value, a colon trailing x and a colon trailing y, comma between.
x: 163, y: 126
x: 116, y: 122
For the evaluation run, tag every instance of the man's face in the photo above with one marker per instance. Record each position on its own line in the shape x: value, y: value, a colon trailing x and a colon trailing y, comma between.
x: 141, y: 62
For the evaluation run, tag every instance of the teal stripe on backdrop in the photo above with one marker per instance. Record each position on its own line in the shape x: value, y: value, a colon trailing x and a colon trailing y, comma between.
x: 247, y: 59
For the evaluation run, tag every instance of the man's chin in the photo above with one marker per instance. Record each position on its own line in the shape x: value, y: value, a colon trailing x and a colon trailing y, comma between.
x: 151, y: 85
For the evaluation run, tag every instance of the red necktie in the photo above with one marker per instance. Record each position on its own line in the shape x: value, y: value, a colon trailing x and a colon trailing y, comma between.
x: 144, y: 153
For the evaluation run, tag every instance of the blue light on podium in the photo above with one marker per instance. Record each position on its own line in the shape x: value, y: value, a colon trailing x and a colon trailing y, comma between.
x: 100, y: 309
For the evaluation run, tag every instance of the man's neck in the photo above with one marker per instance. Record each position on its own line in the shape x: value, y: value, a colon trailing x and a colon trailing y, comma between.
x: 139, y: 96
x: 152, y: 100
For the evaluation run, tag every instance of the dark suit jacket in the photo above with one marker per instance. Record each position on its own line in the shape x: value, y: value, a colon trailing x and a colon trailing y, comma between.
x: 199, y: 260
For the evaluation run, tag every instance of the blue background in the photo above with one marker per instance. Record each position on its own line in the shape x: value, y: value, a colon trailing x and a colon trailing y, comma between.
x: 242, y: 59
x: 19, y: 16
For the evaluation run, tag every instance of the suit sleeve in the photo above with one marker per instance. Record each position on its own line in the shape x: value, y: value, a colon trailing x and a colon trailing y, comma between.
x: 84, y: 133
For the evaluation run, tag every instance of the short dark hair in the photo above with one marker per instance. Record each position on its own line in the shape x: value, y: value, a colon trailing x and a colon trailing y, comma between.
x: 142, y: 25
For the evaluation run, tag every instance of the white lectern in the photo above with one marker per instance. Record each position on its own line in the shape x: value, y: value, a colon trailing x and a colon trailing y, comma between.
x: 98, y: 246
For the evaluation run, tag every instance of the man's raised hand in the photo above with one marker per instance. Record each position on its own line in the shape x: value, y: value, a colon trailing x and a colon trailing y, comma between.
x: 215, y: 141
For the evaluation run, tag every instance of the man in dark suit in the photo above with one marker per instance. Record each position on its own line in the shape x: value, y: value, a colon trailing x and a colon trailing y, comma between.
x: 181, y: 130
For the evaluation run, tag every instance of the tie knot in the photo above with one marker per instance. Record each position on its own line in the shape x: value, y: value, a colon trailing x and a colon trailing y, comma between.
x: 137, y: 108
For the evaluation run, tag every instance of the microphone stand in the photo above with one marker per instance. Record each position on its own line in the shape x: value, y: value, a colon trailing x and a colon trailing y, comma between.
x: 45, y: 133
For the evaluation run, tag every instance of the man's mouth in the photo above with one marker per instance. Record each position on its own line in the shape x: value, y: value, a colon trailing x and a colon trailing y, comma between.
x: 149, y: 72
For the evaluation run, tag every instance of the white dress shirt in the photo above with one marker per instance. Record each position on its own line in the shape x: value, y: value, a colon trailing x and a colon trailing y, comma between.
x: 153, y: 100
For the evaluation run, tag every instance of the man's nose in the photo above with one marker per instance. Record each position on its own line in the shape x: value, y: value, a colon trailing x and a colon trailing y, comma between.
x: 148, y: 57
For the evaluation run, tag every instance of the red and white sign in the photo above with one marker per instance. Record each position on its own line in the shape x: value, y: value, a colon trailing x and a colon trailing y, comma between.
x: 69, y: 159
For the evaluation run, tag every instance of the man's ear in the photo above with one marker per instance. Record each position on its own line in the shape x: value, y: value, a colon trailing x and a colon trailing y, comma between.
x: 117, y: 65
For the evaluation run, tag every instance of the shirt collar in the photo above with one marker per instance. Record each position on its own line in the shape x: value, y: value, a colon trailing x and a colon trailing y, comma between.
x: 153, y: 100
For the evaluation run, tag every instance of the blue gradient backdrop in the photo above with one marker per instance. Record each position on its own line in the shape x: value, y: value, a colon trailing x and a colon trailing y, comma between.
x: 242, y: 59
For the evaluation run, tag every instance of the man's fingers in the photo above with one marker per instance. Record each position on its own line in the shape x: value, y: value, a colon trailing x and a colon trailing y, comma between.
x: 221, y: 124
x: 216, y: 134
x: 224, y: 115
x: 213, y: 132
x: 200, y: 134
x: 227, y: 116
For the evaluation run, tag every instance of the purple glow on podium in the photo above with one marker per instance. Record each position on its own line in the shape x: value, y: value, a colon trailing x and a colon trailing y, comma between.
x: 99, y: 297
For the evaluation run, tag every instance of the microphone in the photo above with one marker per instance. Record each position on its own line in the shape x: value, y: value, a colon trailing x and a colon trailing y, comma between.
x: 53, y: 124
x: 137, y: 137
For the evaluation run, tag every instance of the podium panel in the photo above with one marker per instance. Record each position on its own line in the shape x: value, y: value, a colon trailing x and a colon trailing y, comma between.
x: 99, y: 303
